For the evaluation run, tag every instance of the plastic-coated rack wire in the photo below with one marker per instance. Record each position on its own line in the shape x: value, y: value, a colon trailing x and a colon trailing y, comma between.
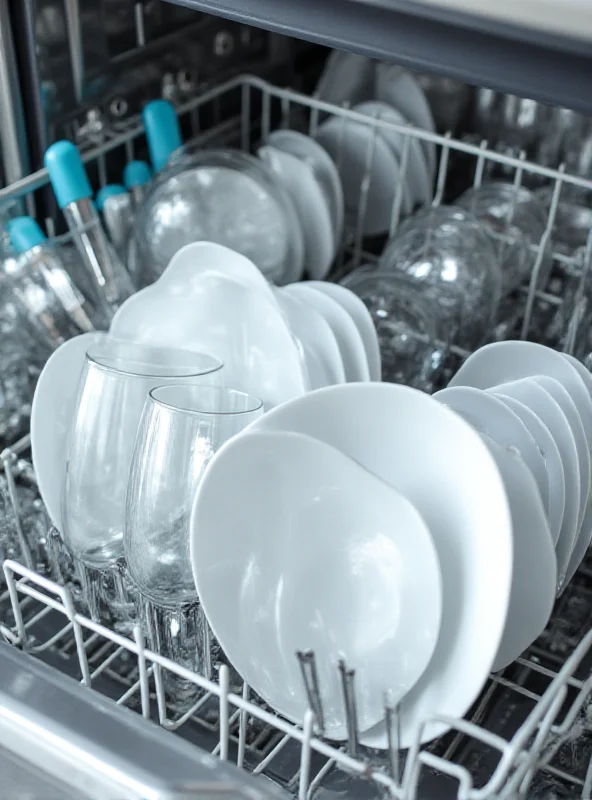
x: 531, y: 720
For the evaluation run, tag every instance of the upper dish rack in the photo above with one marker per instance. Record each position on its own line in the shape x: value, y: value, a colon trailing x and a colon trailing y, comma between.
x: 531, y: 717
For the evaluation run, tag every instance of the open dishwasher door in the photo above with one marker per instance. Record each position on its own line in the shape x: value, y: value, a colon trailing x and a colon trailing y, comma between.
x: 60, y: 741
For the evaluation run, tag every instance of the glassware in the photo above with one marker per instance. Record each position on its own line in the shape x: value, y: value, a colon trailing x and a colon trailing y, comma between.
x: 182, y: 427
x: 412, y: 349
x: 516, y: 221
x: 116, y: 380
x: 449, y: 253
x: 222, y: 196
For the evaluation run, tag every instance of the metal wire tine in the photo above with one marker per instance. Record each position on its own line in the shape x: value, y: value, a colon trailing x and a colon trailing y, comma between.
x: 364, y: 192
x: 351, y: 711
x: 139, y: 23
x: 517, y: 184
x: 285, y: 123
x: 392, y: 716
x: 480, y: 166
x: 442, y: 173
x: 313, y: 122
x: 580, y: 303
x: 265, y: 115
x: 8, y: 460
x: 401, y: 186
x: 245, y: 118
x: 310, y: 676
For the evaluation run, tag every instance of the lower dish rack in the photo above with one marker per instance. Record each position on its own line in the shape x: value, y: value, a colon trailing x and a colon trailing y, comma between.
x: 528, y: 735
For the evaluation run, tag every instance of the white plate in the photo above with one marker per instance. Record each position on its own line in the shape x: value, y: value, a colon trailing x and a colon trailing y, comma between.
x: 491, y: 416
x: 52, y: 414
x: 311, y: 152
x: 436, y: 460
x: 418, y: 174
x: 549, y: 412
x: 361, y: 317
x: 349, y: 143
x: 239, y: 323
x: 502, y: 362
x: 311, y: 517
x: 397, y: 87
x: 321, y: 352
x: 346, y: 333
x: 550, y: 452
x: 535, y: 565
x: 567, y: 405
x: 346, y: 78
x: 312, y: 208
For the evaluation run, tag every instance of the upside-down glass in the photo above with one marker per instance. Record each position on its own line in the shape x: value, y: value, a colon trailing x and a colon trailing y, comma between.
x: 448, y: 252
x: 223, y: 196
x: 115, y: 383
x: 412, y: 347
x: 182, y: 427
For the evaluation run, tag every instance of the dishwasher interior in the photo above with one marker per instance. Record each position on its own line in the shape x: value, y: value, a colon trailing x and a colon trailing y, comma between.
x: 528, y: 734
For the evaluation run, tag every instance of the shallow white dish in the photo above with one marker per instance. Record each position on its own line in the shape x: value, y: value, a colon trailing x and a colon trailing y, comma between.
x: 491, y: 416
x: 311, y: 517
x: 361, y: 317
x: 535, y: 565
x: 312, y: 208
x: 346, y: 333
x: 502, y: 362
x: 52, y: 414
x: 311, y: 152
x: 209, y: 312
x: 346, y: 78
x: 397, y: 86
x: 418, y: 173
x: 349, y: 144
x: 549, y: 412
x: 550, y: 452
x: 404, y: 437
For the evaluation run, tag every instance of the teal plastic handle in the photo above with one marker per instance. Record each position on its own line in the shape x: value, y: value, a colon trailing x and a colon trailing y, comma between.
x: 136, y: 173
x: 25, y: 234
x: 67, y: 173
x: 162, y: 132
x: 110, y: 190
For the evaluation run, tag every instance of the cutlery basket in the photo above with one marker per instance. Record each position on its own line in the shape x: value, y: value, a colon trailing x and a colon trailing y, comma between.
x: 528, y: 734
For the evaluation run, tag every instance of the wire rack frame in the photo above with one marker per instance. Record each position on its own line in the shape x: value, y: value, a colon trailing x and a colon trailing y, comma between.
x: 254, y: 109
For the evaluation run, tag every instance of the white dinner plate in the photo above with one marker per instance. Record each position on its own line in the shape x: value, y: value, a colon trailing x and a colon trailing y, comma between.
x: 436, y: 460
x: 549, y: 412
x: 534, y: 578
x: 311, y: 205
x: 311, y: 152
x: 321, y: 352
x: 361, y: 317
x: 418, y: 173
x: 553, y: 463
x: 311, y: 517
x: 397, y: 86
x: 346, y: 333
x: 52, y: 414
x: 237, y: 321
x: 346, y: 78
x: 491, y: 416
x: 353, y: 147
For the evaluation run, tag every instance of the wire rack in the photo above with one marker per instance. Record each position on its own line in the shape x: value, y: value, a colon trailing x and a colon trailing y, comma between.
x: 529, y: 732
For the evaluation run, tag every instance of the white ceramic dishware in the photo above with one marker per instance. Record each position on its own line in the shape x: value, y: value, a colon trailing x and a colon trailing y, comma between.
x: 399, y: 88
x: 492, y: 417
x: 418, y: 175
x: 52, y: 412
x: 549, y: 412
x: 209, y: 311
x: 310, y: 516
x: 361, y: 317
x: 311, y: 152
x: 357, y: 151
x: 346, y: 78
x: 502, y: 362
x: 312, y: 208
x: 548, y: 447
x: 405, y: 437
x: 535, y: 566
x: 346, y: 333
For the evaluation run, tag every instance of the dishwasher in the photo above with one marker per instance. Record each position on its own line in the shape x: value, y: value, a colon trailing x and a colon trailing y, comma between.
x: 83, y: 712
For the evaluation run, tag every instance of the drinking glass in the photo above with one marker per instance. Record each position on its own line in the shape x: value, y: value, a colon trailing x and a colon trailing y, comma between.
x: 222, y: 196
x: 516, y: 221
x: 116, y: 380
x: 182, y: 427
x: 412, y: 345
x: 448, y: 252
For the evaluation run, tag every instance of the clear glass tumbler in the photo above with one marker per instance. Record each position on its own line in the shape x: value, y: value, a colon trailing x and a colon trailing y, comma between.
x: 115, y: 383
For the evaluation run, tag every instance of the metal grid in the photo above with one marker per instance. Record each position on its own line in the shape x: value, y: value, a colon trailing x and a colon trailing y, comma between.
x: 531, y: 721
